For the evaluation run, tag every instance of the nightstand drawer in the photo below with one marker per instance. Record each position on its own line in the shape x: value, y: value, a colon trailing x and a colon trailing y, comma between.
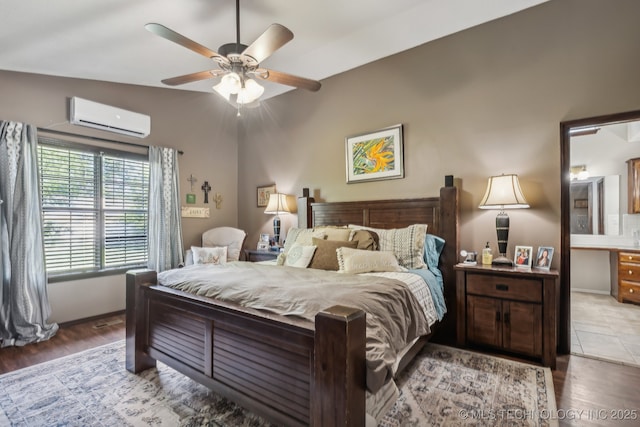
x: 504, y: 287
x: 629, y: 291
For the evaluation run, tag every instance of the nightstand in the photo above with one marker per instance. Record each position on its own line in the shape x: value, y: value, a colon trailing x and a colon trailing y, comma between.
x: 253, y: 255
x: 509, y: 309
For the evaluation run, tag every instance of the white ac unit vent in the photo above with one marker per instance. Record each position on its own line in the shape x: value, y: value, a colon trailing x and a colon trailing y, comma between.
x: 105, y: 117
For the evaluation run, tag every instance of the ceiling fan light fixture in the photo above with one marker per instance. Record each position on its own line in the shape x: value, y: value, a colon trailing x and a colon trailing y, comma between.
x: 222, y: 90
x: 231, y: 82
x: 250, y: 92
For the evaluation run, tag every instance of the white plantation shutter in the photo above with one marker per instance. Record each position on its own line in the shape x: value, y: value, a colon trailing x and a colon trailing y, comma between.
x: 94, y: 208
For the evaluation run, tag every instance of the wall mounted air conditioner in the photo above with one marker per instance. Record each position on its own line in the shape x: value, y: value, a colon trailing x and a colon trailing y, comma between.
x: 105, y: 117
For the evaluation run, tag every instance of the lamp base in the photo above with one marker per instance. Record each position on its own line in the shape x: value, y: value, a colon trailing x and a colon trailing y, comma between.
x: 502, y: 261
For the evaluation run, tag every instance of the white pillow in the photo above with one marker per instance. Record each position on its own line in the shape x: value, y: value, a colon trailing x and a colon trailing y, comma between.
x: 407, y: 244
x: 303, y: 236
x: 216, y: 256
x: 364, y: 261
x: 299, y: 255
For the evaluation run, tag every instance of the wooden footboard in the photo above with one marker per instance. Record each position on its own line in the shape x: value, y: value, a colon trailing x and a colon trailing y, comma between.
x: 288, y: 371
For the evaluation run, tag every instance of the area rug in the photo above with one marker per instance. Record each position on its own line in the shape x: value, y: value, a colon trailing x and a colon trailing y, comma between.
x: 443, y: 386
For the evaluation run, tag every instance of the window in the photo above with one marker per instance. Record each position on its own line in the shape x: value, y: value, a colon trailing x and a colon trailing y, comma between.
x: 94, y: 208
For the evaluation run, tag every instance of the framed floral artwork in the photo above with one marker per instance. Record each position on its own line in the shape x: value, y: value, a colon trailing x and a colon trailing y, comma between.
x: 375, y: 155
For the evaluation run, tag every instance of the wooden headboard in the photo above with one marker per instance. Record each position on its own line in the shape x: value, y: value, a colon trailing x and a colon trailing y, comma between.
x: 439, y: 213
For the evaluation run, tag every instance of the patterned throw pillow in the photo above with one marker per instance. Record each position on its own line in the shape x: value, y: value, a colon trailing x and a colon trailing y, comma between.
x: 326, y: 257
x: 216, y: 256
x: 362, y: 261
x: 299, y: 255
x: 407, y: 244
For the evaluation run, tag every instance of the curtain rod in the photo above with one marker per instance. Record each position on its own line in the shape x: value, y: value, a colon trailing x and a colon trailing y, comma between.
x: 96, y: 138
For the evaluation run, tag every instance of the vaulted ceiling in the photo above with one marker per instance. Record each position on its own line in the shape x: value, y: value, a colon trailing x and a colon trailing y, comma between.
x: 106, y: 40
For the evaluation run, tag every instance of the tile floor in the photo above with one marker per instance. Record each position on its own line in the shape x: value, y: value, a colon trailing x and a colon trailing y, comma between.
x: 603, y: 328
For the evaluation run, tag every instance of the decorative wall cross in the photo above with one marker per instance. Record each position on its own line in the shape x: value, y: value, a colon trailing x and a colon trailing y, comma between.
x: 191, y: 179
x: 206, y: 188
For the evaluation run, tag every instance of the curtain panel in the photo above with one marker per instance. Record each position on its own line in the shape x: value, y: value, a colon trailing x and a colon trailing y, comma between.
x: 24, y: 305
x: 165, y: 227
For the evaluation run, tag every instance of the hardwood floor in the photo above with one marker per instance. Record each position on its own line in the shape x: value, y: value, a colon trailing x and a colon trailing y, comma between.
x: 70, y: 338
x: 589, y: 392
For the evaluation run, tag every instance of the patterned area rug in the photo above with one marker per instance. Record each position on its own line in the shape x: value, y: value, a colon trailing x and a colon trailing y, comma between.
x: 442, y: 387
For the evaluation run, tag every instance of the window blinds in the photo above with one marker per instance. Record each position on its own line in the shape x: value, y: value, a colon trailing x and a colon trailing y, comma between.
x: 94, y: 208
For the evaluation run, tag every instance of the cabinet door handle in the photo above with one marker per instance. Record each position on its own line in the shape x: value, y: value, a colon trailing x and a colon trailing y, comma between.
x: 501, y: 287
x: 630, y: 272
x: 630, y: 291
x: 497, y: 316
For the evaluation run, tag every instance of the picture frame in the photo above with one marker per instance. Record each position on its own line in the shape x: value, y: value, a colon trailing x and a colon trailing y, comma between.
x: 191, y: 199
x: 376, y: 155
x: 263, y: 194
x: 543, y: 261
x: 522, y: 256
x: 581, y: 203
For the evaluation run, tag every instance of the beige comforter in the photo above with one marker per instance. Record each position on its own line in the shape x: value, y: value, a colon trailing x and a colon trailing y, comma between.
x: 393, y: 315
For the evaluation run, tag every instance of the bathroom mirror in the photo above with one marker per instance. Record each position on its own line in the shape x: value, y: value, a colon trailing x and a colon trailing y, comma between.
x: 598, y: 189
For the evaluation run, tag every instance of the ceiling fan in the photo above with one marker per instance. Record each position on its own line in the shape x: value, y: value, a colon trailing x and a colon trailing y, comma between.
x: 238, y: 63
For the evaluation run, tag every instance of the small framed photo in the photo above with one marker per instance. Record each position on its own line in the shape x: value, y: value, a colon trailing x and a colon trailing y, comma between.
x: 375, y: 155
x: 263, y: 194
x: 544, y: 257
x: 191, y: 199
x: 522, y: 257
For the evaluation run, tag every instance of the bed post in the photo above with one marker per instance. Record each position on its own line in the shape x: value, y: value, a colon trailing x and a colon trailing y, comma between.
x: 136, y: 358
x: 304, y: 209
x: 338, y: 394
x: 449, y: 231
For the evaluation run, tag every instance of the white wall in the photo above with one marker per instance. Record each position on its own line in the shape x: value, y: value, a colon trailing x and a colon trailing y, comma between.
x: 590, y: 271
x: 79, y: 299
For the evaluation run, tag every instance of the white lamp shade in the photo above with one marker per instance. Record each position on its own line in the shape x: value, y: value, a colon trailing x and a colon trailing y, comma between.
x: 503, y: 192
x: 280, y: 203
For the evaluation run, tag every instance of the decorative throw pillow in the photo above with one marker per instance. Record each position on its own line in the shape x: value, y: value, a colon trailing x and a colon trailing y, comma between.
x: 217, y: 256
x: 407, y: 244
x: 299, y: 255
x: 367, y: 239
x: 334, y: 232
x: 326, y: 257
x: 363, y: 261
x: 302, y: 236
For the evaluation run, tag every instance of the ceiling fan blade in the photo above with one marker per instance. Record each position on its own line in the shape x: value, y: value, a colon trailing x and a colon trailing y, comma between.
x: 171, y: 35
x: 271, y: 40
x: 194, y: 77
x: 288, y: 79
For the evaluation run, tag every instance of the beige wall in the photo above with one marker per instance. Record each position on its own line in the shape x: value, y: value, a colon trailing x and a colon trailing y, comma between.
x: 200, y: 124
x: 482, y: 102
x: 485, y: 101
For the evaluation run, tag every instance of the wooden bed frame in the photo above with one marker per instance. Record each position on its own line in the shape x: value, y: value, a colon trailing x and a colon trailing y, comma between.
x: 290, y: 371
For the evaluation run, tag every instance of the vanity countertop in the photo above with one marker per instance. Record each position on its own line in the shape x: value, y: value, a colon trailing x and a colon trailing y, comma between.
x: 599, y: 242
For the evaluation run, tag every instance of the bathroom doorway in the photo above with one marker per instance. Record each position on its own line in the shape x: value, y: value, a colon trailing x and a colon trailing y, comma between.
x: 596, y: 227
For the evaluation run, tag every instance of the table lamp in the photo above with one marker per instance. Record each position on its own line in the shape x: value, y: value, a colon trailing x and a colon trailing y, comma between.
x: 279, y: 203
x: 503, y: 192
